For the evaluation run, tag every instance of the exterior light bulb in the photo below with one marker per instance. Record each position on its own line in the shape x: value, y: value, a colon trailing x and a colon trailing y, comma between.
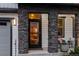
x: 32, y: 15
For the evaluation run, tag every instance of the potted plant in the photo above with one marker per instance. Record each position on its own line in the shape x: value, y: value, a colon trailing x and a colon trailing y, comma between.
x: 64, y: 46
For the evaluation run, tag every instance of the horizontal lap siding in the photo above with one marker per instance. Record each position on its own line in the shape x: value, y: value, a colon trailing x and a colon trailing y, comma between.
x: 9, y: 5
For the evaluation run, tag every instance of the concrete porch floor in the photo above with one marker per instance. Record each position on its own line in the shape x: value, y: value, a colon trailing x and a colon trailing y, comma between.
x: 41, y: 53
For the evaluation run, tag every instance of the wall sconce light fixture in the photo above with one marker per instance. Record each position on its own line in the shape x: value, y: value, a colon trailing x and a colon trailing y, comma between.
x: 14, y: 22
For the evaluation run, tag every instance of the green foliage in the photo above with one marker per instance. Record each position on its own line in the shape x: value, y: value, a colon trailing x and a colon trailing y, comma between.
x: 75, y: 52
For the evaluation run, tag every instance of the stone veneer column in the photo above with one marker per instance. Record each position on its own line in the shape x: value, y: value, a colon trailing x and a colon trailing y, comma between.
x: 52, y: 32
x: 23, y: 31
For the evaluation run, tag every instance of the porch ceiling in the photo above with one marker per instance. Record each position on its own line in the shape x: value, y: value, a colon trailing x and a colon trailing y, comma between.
x: 49, y: 5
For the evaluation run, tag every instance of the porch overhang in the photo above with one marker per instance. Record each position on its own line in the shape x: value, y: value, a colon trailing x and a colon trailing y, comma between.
x: 8, y: 10
x: 47, y: 5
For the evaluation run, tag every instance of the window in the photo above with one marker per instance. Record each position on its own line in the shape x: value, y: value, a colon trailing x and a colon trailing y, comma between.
x: 61, y: 26
x: 3, y: 23
x: 34, y: 16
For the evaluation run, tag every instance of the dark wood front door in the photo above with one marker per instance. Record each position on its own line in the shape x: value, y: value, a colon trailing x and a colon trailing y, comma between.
x: 34, y: 34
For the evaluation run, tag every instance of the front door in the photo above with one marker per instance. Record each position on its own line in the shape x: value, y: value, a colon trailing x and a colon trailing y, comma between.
x: 34, y: 31
x: 66, y: 27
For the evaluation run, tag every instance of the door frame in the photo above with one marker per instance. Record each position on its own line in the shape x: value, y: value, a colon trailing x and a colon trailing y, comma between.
x: 46, y: 12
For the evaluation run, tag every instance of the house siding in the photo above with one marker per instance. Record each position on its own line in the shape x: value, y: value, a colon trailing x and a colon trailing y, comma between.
x: 52, y: 25
x: 9, y: 5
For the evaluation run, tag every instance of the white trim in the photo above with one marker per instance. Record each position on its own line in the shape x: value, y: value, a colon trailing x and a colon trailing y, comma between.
x: 45, y: 31
x: 14, y: 31
x: 66, y: 15
x: 69, y: 18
